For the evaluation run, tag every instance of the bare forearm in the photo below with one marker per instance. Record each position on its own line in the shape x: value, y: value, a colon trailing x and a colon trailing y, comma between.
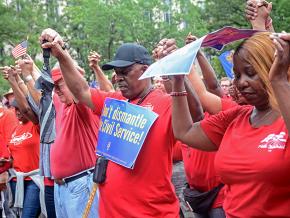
x: 105, y: 84
x: 36, y: 95
x: 194, y: 104
x: 181, y: 118
x: 210, y: 102
x: 282, y: 92
x: 21, y: 85
x: 209, y: 75
x: 73, y: 79
x: 183, y: 127
x: 35, y: 73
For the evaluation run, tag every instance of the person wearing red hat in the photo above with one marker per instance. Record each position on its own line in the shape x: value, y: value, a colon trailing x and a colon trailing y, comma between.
x: 74, y: 148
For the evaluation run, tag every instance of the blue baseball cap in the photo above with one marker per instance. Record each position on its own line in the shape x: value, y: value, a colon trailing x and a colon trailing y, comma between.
x: 127, y: 55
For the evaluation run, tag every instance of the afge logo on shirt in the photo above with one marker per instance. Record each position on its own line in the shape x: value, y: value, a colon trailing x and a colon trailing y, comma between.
x: 16, y: 140
x: 274, y: 141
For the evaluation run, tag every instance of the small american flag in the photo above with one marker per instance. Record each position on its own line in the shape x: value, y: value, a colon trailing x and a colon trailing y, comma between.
x: 20, y: 49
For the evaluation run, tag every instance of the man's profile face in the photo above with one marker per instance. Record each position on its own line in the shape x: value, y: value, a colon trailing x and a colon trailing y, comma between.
x: 127, y: 80
x: 63, y: 92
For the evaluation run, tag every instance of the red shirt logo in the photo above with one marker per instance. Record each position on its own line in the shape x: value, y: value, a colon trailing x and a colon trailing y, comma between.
x: 16, y: 140
x: 273, y: 141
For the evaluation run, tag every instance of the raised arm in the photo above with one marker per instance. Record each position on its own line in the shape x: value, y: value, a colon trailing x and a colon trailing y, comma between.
x: 208, y: 72
x: 104, y: 82
x: 10, y: 74
x: 26, y: 70
x: 194, y: 104
x: 210, y: 102
x: 258, y: 13
x: 75, y: 82
x: 279, y: 75
x: 183, y: 127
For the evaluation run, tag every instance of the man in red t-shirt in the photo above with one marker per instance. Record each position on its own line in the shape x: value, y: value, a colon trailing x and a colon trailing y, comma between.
x: 73, y: 154
x: 145, y: 191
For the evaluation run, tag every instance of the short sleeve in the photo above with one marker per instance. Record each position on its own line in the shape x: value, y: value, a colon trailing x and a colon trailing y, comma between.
x: 98, y: 98
x: 215, y: 126
x: 228, y: 104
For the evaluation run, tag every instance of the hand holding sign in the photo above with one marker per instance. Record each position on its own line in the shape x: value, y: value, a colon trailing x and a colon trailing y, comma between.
x: 181, y: 60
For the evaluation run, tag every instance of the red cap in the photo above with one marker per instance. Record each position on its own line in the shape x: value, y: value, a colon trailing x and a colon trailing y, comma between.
x: 57, y: 75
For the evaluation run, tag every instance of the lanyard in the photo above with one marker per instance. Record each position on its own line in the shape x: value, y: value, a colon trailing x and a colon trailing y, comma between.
x: 149, y: 90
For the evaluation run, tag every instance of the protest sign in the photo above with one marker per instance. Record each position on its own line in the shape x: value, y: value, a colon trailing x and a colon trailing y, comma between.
x: 123, y: 130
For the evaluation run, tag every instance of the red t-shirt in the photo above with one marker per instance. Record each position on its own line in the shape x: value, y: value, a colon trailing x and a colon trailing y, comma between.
x: 228, y: 104
x: 254, y: 163
x: 177, y: 153
x: 145, y: 191
x: 24, y: 147
x: 8, y: 123
x: 74, y: 148
x: 4, y: 154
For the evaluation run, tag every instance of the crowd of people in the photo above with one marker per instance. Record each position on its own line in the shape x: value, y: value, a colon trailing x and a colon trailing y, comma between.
x: 217, y: 149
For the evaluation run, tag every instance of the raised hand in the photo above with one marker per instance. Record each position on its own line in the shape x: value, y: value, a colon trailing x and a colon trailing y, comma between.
x: 94, y: 59
x: 190, y: 38
x: 258, y: 13
x: 25, y: 66
x: 166, y: 47
x: 157, y: 51
x: 4, y: 72
x: 54, y: 42
x: 9, y: 73
x: 280, y: 66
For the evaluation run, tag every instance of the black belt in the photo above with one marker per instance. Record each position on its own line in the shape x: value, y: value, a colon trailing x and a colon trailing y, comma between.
x: 73, y: 178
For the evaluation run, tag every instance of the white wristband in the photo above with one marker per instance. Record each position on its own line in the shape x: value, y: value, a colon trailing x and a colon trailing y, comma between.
x: 20, y: 82
x: 28, y: 78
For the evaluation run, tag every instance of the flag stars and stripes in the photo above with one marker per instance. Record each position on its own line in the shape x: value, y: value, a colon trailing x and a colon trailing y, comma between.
x: 20, y: 49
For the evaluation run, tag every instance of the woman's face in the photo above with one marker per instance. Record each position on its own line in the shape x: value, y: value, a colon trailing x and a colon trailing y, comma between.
x: 20, y: 116
x: 249, y: 83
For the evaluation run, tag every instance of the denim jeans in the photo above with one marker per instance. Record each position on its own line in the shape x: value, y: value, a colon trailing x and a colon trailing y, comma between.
x: 31, y: 203
x: 6, y: 211
x: 49, y: 201
x: 71, y: 198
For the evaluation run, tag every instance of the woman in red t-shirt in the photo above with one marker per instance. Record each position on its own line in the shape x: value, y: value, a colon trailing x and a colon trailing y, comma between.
x: 24, y: 148
x: 252, y: 142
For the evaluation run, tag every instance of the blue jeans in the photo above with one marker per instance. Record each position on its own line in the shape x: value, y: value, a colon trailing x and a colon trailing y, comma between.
x: 71, y: 198
x: 6, y: 211
x: 49, y: 201
x: 31, y: 203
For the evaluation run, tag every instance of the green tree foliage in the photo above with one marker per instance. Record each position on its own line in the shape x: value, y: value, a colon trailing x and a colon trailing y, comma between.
x: 104, y: 25
x: 220, y: 13
x: 22, y: 19
x: 281, y: 15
